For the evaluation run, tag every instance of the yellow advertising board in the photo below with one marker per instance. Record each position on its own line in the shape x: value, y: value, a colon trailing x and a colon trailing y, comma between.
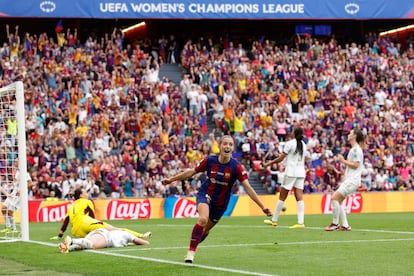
x: 147, y: 208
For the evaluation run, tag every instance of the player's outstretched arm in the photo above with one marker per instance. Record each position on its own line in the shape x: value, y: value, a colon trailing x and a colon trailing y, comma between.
x: 253, y: 195
x: 64, y: 226
x: 180, y: 176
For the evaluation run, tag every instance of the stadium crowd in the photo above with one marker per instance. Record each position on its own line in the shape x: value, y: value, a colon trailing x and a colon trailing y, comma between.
x: 100, y: 116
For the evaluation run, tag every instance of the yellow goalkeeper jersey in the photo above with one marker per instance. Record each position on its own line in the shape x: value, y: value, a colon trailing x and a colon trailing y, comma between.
x: 80, y: 208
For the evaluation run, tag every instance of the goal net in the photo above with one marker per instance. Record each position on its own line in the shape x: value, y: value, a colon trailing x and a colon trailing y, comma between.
x: 14, y: 222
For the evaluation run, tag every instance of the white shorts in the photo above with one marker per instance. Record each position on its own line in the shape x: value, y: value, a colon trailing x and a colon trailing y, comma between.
x: 290, y: 182
x: 348, y: 187
x: 120, y: 238
x: 12, y: 204
x: 101, y: 231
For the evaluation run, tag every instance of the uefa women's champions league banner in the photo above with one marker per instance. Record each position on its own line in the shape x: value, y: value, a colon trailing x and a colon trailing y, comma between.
x: 210, y: 9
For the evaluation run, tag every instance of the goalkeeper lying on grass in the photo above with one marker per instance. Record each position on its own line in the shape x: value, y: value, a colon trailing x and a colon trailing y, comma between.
x: 81, y: 214
x: 101, y: 238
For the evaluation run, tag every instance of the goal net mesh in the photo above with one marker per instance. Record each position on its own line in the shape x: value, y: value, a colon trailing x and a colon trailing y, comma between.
x: 13, y: 218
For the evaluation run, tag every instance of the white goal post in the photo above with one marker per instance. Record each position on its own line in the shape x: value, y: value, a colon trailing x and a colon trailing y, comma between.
x: 13, y: 147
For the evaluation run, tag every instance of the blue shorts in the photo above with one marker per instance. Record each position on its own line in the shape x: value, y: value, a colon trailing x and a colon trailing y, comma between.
x: 216, y: 212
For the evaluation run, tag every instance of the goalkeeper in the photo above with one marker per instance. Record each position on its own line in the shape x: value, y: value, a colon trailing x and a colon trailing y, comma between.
x: 101, y: 238
x: 81, y: 214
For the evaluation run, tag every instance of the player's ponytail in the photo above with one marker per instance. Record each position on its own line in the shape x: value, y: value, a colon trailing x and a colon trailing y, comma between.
x: 298, y: 133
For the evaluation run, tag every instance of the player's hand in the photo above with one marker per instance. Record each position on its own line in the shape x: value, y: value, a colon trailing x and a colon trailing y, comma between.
x: 267, y: 212
x: 165, y: 181
x: 54, y: 238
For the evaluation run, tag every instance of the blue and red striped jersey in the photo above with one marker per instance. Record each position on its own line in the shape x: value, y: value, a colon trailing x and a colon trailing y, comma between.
x: 220, y: 178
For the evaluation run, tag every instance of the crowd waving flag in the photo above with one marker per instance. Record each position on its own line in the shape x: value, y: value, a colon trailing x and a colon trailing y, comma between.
x: 59, y: 26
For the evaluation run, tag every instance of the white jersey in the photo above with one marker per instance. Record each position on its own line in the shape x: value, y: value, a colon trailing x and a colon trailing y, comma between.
x: 355, y: 155
x: 13, y: 202
x: 295, y: 163
x: 113, y: 238
x: 17, y: 174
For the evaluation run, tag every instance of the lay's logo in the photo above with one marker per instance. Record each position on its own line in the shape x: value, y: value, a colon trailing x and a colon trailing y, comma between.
x: 53, y: 212
x: 184, y: 208
x: 351, y: 204
x: 123, y: 209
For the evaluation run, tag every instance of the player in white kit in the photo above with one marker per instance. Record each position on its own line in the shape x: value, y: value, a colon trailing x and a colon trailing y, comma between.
x: 351, y: 180
x: 101, y: 238
x: 12, y: 202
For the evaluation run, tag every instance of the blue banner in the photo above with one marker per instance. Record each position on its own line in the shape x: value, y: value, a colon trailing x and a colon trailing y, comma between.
x: 184, y: 207
x: 210, y: 9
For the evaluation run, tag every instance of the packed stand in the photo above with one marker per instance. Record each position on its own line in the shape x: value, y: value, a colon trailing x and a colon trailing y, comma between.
x: 100, y: 116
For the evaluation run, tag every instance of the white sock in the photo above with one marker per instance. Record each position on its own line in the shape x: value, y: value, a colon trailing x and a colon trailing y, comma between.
x: 335, y: 211
x: 83, y: 243
x: 74, y: 247
x: 342, y: 216
x: 301, y: 212
x: 12, y: 222
x: 7, y: 219
x: 279, y: 207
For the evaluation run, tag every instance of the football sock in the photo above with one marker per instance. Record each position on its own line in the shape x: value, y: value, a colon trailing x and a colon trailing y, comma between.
x: 7, y: 219
x: 204, y: 237
x: 301, y: 212
x: 196, y: 236
x: 335, y: 211
x: 342, y: 216
x: 81, y: 243
x: 136, y: 234
x: 12, y: 222
x: 279, y: 206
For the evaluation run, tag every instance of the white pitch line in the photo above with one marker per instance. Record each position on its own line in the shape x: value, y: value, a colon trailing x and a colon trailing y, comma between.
x: 109, y: 253
x: 286, y: 227
x: 182, y: 264
x: 116, y: 253
x: 262, y: 244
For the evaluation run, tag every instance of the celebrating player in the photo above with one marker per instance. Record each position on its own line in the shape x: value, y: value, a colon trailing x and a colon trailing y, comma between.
x: 352, y: 179
x: 214, y: 194
x: 295, y: 152
x: 101, y: 238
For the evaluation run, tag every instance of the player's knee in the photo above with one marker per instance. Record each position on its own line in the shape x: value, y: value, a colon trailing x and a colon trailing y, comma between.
x: 202, y: 221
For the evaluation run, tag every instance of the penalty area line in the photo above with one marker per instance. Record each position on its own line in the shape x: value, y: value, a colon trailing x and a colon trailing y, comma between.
x: 263, y: 244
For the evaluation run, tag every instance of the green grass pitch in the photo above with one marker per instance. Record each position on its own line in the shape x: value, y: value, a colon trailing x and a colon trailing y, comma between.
x: 379, y: 244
